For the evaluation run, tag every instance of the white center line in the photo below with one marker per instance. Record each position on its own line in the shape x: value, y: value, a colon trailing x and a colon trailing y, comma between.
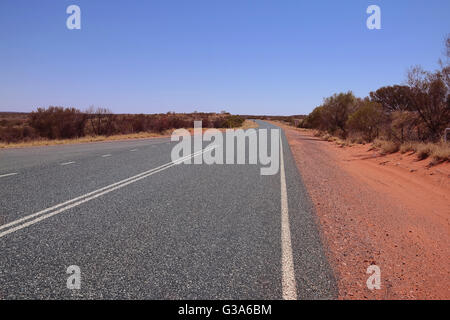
x: 57, y: 209
x: 287, y: 261
x: 8, y: 175
x: 67, y: 163
x: 106, y: 155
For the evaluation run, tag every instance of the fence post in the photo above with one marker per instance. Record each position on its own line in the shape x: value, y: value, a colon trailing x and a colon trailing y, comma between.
x: 446, y: 132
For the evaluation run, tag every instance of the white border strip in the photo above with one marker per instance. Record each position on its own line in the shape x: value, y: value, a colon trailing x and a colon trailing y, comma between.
x: 289, y: 285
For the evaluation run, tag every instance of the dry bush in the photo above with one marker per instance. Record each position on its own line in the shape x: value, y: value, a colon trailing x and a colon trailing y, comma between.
x: 424, y: 150
x: 58, y: 122
x: 441, y: 152
x: 229, y: 122
x: 343, y: 143
x: 408, y: 147
x: 386, y: 147
x: 357, y: 139
x: 14, y: 127
x: 390, y: 147
x: 317, y: 133
x: 377, y: 143
x: 437, y: 151
x: 11, y: 134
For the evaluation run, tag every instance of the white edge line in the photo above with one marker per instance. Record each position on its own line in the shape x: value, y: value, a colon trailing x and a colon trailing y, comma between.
x: 289, y: 286
x: 8, y: 174
x: 88, y: 197
x: 67, y: 163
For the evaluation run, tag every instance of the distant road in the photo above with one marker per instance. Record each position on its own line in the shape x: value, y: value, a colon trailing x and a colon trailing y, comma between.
x: 140, y: 227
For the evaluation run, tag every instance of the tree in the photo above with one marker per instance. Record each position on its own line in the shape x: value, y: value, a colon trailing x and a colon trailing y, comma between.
x: 430, y: 99
x: 336, y: 110
x: 392, y: 98
x: 366, y: 119
x: 403, y: 124
x: 314, y: 120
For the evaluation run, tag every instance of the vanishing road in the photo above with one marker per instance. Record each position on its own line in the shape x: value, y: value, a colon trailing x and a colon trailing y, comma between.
x: 140, y: 227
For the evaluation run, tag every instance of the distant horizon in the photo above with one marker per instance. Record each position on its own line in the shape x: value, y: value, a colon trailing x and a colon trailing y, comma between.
x: 266, y: 58
x: 121, y: 113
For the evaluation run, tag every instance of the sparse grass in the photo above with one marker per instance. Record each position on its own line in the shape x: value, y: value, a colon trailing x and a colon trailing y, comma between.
x: 408, y: 147
x: 390, y: 147
x: 358, y: 140
x: 377, y: 143
x: 386, y: 147
x: 327, y: 137
x: 46, y: 142
x: 439, y: 152
x: 340, y: 142
x: 424, y: 150
x: 317, y: 133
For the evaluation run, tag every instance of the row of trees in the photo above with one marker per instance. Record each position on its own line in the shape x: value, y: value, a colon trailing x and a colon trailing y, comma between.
x: 68, y: 123
x: 419, y: 110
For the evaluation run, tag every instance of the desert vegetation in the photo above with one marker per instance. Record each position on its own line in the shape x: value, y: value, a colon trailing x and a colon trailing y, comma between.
x: 59, y: 123
x: 411, y: 117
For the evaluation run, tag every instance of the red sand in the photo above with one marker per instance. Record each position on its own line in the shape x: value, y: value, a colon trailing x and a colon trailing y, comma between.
x: 392, y: 211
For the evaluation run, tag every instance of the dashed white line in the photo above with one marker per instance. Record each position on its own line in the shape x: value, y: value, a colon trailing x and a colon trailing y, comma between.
x: 49, y: 212
x: 67, y: 163
x: 133, y: 150
x: 106, y: 155
x: 289, y: 286
x: 8, y: 174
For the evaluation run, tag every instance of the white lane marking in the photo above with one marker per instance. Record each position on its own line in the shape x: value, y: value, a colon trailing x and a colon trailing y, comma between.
x: 8, y: 174
x: 287, y: 261
x: 89, y: 196
x: 133, y: 150
x: 67, y: 163
x: 82, y: 196
x: 106, y: 155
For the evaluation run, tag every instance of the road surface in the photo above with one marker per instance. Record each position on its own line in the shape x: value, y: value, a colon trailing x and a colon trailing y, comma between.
x: 175, y: 232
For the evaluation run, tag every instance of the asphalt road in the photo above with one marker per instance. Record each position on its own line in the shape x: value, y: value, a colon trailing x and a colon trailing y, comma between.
x: 180, y: 232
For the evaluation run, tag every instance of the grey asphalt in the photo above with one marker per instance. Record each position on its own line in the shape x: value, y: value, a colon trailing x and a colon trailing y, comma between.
x: 188, y: 232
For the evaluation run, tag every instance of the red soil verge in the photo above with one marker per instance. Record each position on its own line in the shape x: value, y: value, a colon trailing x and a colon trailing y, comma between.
x: 392, y: 211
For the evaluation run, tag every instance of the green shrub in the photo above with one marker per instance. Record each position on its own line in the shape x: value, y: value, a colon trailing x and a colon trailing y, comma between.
x: 366, y: 120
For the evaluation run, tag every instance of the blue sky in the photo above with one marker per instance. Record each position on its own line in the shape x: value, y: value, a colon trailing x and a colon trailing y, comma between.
x: 247, y: 57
